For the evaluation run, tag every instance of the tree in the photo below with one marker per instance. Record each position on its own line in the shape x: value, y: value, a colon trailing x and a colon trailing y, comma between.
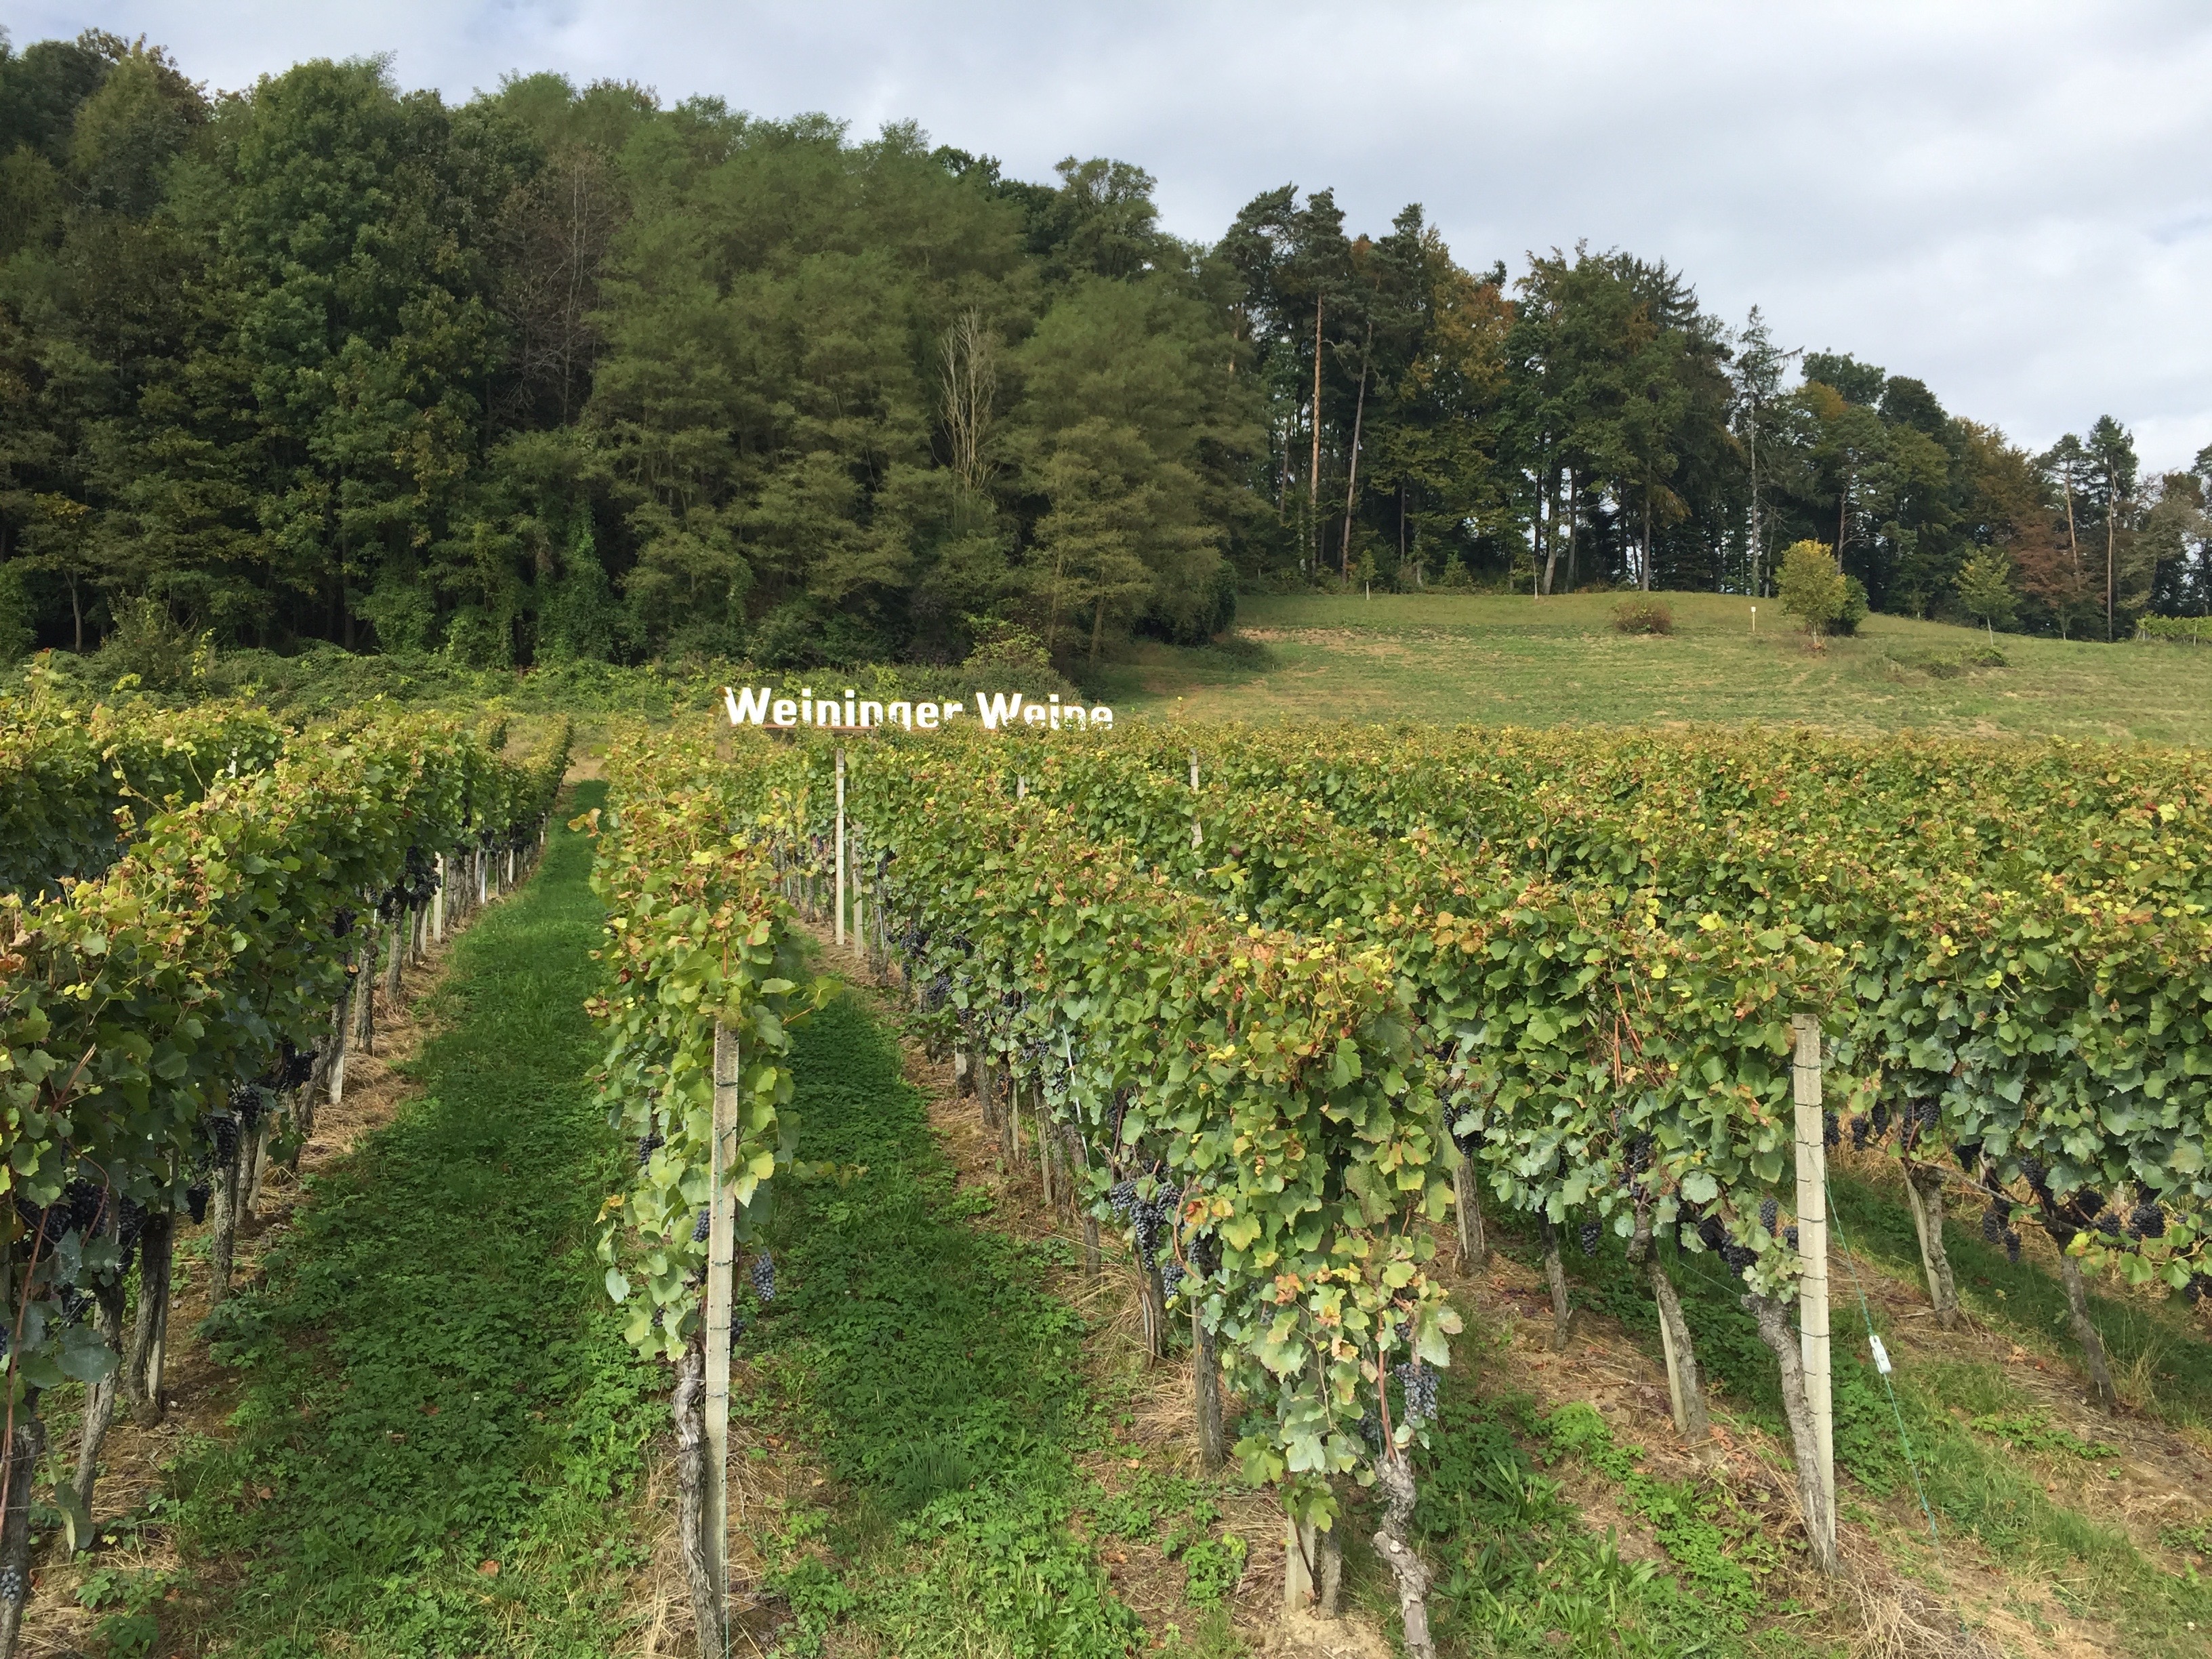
x: 2111, y: 453
x: 1811, y: 587
x: 1985, y: 588
x: 1759, y: 368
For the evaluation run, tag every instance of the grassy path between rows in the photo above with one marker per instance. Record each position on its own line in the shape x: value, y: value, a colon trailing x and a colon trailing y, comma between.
x: 440, y: 1427
x: 936, y: 1383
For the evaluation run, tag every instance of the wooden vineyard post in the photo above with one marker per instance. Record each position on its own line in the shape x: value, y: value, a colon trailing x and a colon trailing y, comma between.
x: 1813, y: 1251
x: 841, y: 847
x: 721, y: 1272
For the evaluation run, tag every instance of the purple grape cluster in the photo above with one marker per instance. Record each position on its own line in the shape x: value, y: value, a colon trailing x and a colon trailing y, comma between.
x: 699, y: 1228
x: 763, y: 1277
x: 1419, y: 1382
x: 2149, y: 1220
x: 1148, y: 1219
x: 647, y: 1146
x: 1588, y: 1235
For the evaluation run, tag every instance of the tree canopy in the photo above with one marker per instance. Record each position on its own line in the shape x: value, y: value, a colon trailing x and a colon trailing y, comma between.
x: 566, y: 372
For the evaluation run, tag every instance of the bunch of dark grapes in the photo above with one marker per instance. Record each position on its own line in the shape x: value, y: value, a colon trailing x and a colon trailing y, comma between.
x: 1879, y: 1120
x: 195, y: 1199
x: 2149, y: 1220
x: 130, y: 1222
x: 47, y: 1223
x: 1789, y: 1235
x: 763, y: 1277
x: 2194, y: 1291
x: 1147, y: 1219
x: 87, y: 1205
x: 2012, y: 1247
x: 1970, y: 1154
x: 246, y: 1106
x: 699, y: 1228
x: 74, y: 1302
x: 1712, y: 1234
x: 647, y: 1146
x: 1994, y: 1219
x: 12, y: 1584
x: 1769, y: 1212
x: 1738, y: 1258
x: 341, y: 922
x: 2038, y: 1176
x: 1589, y: 1235
x: 1172, y: 1278
x: 1371, y: 1431
x: 1832, y: 1129
x: 297, y: 1069
x: 1636, y: 1162
x: 222, y: 1135
x: 1419, y: 1382
x: 2109, y: 1224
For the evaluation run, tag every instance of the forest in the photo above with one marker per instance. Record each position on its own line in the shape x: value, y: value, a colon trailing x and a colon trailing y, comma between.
x: 561, y: 374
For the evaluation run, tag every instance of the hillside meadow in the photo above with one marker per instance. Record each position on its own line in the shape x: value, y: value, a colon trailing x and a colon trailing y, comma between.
x: 1500, y: 659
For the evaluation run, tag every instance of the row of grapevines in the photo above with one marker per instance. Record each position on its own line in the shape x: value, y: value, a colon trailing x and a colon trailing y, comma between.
x: 72, y: 782
x: 704, y: 977
x: 151, y: 1018
x: 2028, y: 950
x: 696, y: 937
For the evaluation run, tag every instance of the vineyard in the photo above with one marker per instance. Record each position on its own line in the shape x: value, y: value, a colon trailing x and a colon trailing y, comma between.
x: 1294, y: 1042
x: 1287, y: 1017
x: 199, y: 905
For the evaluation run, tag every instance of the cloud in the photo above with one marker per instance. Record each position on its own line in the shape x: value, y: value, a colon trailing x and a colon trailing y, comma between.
x: 2005, y: 200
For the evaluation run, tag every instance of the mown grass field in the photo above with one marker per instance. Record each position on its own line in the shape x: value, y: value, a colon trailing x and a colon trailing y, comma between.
x: 1497, y: 659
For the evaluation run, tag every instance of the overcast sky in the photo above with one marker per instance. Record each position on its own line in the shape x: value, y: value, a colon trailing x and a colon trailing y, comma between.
x: 2013, y: 201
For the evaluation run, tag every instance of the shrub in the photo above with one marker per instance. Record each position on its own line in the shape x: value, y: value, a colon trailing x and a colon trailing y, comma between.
x: 1813, y: 590
x: 1642, y: 616
x: 1855, y: 607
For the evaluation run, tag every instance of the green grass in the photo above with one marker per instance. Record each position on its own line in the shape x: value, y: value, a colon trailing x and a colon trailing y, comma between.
x: 1518, y: 1572
x: 433, y: 1379
x: 1499, y: 659
x: 1980, y: 1447
x: 936, y: 1382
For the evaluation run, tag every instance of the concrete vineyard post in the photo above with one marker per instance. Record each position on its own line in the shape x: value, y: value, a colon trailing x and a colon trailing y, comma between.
x: 438, y: 904
x: 1197, y: 834
x: 841, y: 847
x: 721, y: 1272
x: 1813, y: 1252
x: 1297, y: 1565
x: 1467, y: 1208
